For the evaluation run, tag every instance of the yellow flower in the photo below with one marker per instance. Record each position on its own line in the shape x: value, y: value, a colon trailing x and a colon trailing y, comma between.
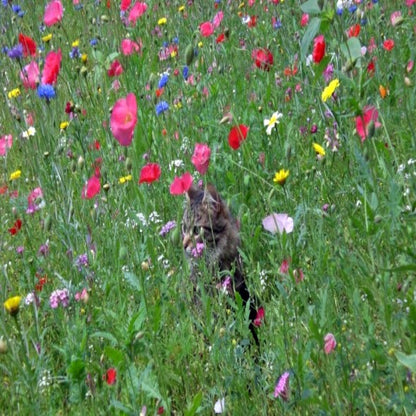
x: 281, y: 176
x: 330, y: 89
x: 84, y: 58
x: 14, y: 93
x: 181, y: 8
x: 63, y: 125
x: 200, y: 44
x: 162, y: 21
x: 15, y: 175
x: 12, y: 305
x: 320, y: 151
x: 75, y: 43
x: 124, y: 179
x: 47, y: 37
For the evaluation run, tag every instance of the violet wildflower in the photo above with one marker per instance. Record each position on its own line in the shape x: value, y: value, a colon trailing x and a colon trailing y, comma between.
x: 198, y: 250
x: 43, y: 250
x: 170, y: 225
x: 328, y: 72
x: 81, y: 261
x: 282, y: 386
x: 59, y: 297
x: 16, y: 52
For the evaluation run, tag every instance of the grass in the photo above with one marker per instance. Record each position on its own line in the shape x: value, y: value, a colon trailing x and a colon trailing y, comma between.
x: 353, y: 212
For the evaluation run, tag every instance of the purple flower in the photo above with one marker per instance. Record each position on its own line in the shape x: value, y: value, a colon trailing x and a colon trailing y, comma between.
x: 282, y: 386
x: 59, y: 296
x: 328, y: 72
x: 170, y: 225
x: 198, y: 250
x: 43, y: 250
x: 81, y: 261
x: 16, y: 52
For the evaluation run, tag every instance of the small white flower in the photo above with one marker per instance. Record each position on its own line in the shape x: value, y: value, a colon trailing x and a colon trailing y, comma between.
x: 270, y: 123
x: 219, y: 406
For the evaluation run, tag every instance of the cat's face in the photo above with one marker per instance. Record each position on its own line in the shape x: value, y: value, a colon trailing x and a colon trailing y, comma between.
x: 207, y: 223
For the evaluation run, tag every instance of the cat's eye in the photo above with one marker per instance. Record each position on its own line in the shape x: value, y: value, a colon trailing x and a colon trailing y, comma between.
x: 196, y: 230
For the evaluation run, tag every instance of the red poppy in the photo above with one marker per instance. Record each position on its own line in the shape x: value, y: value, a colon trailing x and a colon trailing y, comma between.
x: 252, y: 22
x: 29, y: 45
x: 16, y: 227
x: 237, y: 135
x: 181, y: 184
x: 149, y: 173
x: 371, y: 67
x: 125, y: 4
x: 220, y: 38
x: 110, y: 376
x: 51, y: 67
x: 354, y: 31
x: 263, y: 58
x: 388, y: 44
x: 318, y: 49
x: 41, y: 281
x: 115, y: 69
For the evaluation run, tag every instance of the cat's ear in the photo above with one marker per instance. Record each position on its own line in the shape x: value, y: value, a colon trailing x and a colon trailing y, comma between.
x: 212, y: 198
x: 192, y: 192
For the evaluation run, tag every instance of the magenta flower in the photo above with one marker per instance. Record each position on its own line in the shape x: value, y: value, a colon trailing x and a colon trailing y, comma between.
x: 282, y: 386
x: 198, y: 250
x: 330, y: 343
x: 123, y: 119
x: 6, y: 142
x: 91, y: 188
x: 136, y: 11
x: 54, y: 12
x: 128, y: 47
x: 206, y: 29
x: 367, y: 122
x: 278, y: 222
x: 200, y: 158
x: 59, y: 297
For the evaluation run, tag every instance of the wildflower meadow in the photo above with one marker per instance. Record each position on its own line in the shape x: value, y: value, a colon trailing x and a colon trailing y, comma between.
x: 301, y: 113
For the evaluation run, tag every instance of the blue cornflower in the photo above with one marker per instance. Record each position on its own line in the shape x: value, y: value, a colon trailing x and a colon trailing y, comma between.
x: 75, y: 53
x: 353, y: 8
x: 175, y: 40
x: 16, y: 8
x: 163, y: 80
x: 46, y: 91
x: 185, y: 72
x: 93, y: 42
x: 161, y: 107
x: 339, y: 11
x: 16, y: 52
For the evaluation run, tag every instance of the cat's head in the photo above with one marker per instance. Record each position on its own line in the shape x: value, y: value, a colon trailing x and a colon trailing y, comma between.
x: 207, y: 221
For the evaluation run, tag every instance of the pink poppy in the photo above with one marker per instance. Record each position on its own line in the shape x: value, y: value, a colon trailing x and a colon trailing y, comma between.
x: 181, y: 184
x: 91, y: 188
x: 330, y: 343
x: 367, y: 122
x: 128, y: 47
x: 318, y: 49
x: 278, y: 222
x: 200, y: 158
x: 258, y: 320
x: 284, y: 267
x: 206, y: 29
x: 216, y: 21
x: 136, y: 11
x: 5, y: 144
x: 36, y: 194
x: 149, y: 173
x: 29, y: 75
x: 54, y: 12
x: 28, y: 44
x: 304, y: 19
x: 237, y: 135
x: 115, y: 69
x: 388, y: 44
x: 123, y: 119
x: 51, y: 67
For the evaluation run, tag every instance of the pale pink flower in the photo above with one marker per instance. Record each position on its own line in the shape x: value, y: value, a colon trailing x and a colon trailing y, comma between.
x: 6, y: 142
x: 30, y: 75
x: 330, y: 343
x: 128, y: 47
x: 123, y: 119
x: 278, y: 222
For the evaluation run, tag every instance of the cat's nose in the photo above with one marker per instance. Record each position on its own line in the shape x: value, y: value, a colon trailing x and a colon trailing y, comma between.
x: 187, y: 242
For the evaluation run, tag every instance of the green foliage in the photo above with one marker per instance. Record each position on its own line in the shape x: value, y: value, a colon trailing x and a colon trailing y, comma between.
x: 351, y: 256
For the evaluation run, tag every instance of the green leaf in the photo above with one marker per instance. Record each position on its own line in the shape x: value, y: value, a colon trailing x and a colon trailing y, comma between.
x: 114, y: 355
x: 76, y: 369
x: 311, y: 7
x: 351, y: 49
x: 196, y: 402
x: 133, y: 281
x: 309, y: 35
x: 404, y: 268
x: 408, y: 361
x: 106, y: 335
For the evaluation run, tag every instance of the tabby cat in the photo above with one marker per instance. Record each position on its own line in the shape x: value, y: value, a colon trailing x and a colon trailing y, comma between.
x: 208, y: 223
